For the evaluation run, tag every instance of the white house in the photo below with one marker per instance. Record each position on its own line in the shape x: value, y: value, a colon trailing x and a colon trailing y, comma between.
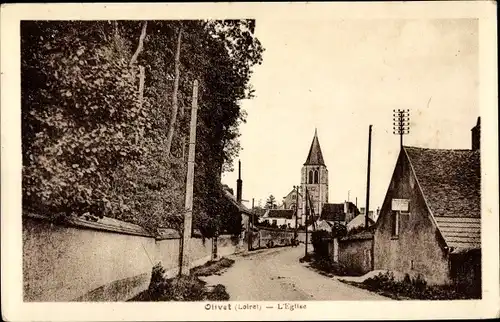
x: 280, y: 217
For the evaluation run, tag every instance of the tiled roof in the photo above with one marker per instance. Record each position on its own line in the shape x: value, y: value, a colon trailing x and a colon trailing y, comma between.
x: 451, y: 183
x: 233, y: 200
x: 365, y: 234
x: 280, y: 213
x: 333, y: 212
x: 315, y: 156
x: 461, y: 233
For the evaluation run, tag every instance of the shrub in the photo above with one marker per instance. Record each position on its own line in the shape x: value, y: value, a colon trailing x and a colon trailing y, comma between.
x: 218, y: 293
x: 416, y: 288
x: 181, y: 288
x: 320, y: 240
x: 380, y: 281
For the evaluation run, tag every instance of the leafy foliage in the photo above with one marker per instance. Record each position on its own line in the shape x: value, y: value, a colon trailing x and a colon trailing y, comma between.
x: 320, y: 240
x: 90, y: 145
x: 184, y: 288
x: 415, y: 287
x: 271, y: 202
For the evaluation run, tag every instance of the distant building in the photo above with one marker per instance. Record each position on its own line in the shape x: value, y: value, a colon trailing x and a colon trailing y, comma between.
x: 279, y: 217
x: 335, y: 213
x: 314, y: 177
x: 371, y: 215
x: 430, y: 221
x: 290, y: 203
x: 341, y: 213
x: 358, y: 222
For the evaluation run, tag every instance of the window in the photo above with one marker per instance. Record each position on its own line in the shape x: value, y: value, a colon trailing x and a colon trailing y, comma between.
x: 395, y: 223
x: 316, y: 176
x: 310, y: 176
x: 275, y: 222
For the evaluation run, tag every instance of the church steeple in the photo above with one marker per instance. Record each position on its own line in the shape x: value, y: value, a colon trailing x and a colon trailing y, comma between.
x: 314, y: 176
x: 315, y: 156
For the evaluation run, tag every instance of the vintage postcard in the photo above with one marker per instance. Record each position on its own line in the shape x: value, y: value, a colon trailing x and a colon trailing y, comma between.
x: 249, y: 161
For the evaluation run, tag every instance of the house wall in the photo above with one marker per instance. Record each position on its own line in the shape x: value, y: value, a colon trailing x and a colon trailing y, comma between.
x: 281, y: 221
x: 356, y: 254
x: 290, y: 200
x: 66, y: 263
x: 419, y: 247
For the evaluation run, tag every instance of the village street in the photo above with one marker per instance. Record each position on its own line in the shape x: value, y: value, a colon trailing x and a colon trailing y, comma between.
x: 276, y: 275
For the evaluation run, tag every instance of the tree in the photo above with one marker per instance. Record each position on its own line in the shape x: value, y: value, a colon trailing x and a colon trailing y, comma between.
x: 92, y: 145
x: 271, y: 202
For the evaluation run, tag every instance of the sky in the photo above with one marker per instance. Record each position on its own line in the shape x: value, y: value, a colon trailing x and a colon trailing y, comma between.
x: 340, y: 76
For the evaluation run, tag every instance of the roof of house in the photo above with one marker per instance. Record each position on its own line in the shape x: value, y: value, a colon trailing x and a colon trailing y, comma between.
x: 333, y: 212
x: 352, y: 208
x: 362, y: 235
x: 320, y: 225
x: 259, y: 211
x: 315, y: 157
x: 359, y: 221
x: 450, y: 181
x: 280, y: 213
x: 233, y: 200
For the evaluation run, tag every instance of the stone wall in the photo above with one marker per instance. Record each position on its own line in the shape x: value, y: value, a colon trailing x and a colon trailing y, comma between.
x: 107, y: 260
x: 356, y: 254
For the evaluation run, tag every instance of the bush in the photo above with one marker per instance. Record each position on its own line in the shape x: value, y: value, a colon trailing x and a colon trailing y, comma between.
x: 218, y: 293
x: 181, y: 288
x: 381, y: 281
x: 320, y: 240
x: 416, y: 288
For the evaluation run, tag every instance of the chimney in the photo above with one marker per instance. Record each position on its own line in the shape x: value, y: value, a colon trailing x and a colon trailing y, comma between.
x: 239, y: 184
x: 476, y: 135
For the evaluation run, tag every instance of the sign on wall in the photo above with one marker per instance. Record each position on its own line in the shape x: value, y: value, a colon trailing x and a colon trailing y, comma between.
x: 400, y: 204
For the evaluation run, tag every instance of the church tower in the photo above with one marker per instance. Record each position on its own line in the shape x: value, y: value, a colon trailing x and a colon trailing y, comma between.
x: 315, y: 177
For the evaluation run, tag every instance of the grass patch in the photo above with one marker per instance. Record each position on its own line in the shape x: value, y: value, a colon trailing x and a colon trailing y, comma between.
x: 212, y: 267
x: 185, y: 288
x: 413, y: 288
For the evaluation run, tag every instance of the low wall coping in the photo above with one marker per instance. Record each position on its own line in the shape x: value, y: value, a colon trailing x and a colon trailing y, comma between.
x: 105, y: 224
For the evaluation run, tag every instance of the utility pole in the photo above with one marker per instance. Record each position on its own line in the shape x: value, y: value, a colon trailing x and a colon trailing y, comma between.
x: 296, y: 234
x: 250, y: 226
x: 184, y: 266
x: 368, y: 176
x: 401, y: 124
x: 307, y: 215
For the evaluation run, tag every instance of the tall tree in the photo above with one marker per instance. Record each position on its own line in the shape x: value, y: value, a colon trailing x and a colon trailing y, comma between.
x: 271, y: 202
x: 82, y: 108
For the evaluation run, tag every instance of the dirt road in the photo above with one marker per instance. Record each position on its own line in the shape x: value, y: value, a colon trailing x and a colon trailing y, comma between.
x: 276, y: 275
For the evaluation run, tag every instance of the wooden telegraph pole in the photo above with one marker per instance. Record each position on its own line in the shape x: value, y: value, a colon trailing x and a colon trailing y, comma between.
x: 307, y: 215
x: 401, y: 124
x: 367, y: 210
x: 184, y: 266
x: 296, y: 235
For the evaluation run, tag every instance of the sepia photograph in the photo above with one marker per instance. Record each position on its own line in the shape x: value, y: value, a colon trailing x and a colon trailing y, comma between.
x: 252, y: 164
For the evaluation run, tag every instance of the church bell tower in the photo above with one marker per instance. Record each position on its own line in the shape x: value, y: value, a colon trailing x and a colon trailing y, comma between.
x: 314, y: 177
